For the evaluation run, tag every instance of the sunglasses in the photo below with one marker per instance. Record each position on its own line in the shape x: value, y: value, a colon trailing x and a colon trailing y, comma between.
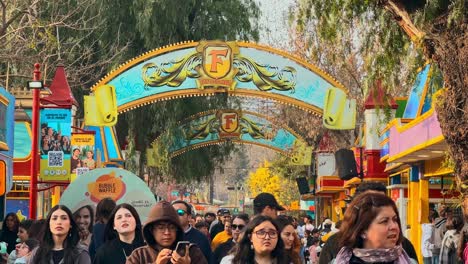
x: 240, y: 227
x: 181, y: 212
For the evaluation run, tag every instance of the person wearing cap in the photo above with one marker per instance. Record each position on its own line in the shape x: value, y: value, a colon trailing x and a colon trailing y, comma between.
x: 184, y: 211
x: 224, y: 216
x: 266, y: 204
x: 162, y: 231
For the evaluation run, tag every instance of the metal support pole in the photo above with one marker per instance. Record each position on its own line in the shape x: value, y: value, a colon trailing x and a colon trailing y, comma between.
x: 34, y: 146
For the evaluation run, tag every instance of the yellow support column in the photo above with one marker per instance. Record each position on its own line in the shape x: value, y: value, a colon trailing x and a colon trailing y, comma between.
x: 56, y: 196
x: 415, y: 210
x: 423, y: 204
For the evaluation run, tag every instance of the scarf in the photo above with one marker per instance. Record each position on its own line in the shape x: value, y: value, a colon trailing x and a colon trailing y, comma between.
x: 395, y: 254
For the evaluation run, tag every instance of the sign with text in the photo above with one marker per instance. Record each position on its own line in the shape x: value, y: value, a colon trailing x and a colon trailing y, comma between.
x: 325, y: 164
x: 55, y: 145
x: 120, y: 185
x: 82, y: 157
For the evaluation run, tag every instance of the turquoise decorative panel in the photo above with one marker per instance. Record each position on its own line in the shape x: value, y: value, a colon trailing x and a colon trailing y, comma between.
x: 217, y: 126
x: 200, y: 69
x: 414, y: 99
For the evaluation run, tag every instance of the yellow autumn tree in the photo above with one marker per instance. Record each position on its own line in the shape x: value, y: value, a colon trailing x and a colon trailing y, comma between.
x: 263, y: 180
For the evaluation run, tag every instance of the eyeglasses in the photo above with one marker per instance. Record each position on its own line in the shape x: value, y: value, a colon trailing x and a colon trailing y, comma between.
x: 240, y: 227
x: 181, y: 212
x: 262, y: 233
x: 162, y: 228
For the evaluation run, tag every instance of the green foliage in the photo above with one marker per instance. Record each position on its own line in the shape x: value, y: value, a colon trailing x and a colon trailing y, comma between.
x: 284, y: 168
x: 92, y: 37
x: 362, y: 32
x: 165, y: 117
x: 150, y: 24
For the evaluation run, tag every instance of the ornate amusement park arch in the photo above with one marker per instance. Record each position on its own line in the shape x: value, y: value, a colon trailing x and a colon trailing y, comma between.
x: 208, y: 67
x: 244, y: 127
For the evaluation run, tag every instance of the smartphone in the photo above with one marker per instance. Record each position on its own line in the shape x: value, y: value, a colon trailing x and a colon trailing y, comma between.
x: 181, y: 246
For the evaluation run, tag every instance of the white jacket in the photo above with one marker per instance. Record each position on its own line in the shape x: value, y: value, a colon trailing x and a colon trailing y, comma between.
x: 426, y: 245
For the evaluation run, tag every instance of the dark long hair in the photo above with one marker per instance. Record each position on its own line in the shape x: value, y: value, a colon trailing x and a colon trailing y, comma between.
x: 15, y: 218
x: 37, y: 229
x: 244, y: 254
x: 111, y: 234
x: 283, y: 221
x: 359, y: 215
x: 44, y: 252
x: 91, y: 215
x: 104, y: 209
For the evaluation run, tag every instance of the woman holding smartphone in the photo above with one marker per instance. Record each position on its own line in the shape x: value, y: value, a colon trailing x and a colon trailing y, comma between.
x: 122, y: 235
x: 162, y: 232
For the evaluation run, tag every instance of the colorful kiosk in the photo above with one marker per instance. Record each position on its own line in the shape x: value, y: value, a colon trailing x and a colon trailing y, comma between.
x: 7, y: 105
x: 414, y: 148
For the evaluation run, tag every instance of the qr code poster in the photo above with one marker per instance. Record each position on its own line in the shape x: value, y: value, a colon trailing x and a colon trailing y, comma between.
x: 55, y: 168
x: 55, y: 144
x: 55, y: 158
x: 81, y: 171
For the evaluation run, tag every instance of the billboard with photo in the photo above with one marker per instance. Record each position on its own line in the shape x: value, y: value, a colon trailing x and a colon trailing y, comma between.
x: 55, y: 144
x: 83, y: 156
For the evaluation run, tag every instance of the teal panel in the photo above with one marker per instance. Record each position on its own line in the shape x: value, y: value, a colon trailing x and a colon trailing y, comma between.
x: 23, y: 142
x: 294, y: 81
x: 253, y: 129
x: 98, y: 141
x: 7, y: 132
x: 414, y: 99
x: 414, y: 173
x: 111, y: 137
x: 129, y: 85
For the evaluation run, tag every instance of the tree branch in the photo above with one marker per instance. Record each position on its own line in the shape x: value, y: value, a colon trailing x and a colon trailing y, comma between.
x: 403, y: 19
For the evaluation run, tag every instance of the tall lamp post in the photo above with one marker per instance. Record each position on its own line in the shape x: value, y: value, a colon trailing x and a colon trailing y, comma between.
x: 35, y: 85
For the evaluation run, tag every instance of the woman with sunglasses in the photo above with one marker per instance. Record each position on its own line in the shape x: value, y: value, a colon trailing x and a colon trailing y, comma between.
x: 122, y: 235
x: 259, y: 244
x: 237, y: 226
x: 162, y: 232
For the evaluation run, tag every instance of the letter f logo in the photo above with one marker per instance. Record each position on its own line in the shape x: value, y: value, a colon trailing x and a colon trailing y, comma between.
x: 217, y: 61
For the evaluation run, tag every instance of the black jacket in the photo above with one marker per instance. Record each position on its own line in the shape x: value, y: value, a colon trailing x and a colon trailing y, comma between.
x: 10, y: 238
x: 222, y: 250
x: 115, y: 251
x: 219, y: 227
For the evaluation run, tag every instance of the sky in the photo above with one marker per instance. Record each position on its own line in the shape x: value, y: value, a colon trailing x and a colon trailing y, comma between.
x: 274, y: 22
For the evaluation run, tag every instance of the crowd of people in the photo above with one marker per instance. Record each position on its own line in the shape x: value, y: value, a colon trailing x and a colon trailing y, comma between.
x: 52, y: 140
x: 370, y: 232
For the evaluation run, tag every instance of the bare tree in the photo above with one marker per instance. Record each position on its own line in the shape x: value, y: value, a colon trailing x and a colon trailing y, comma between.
x: 52, y: 32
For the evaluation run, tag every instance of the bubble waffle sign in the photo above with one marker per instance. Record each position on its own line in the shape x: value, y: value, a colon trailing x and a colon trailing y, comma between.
x: 106, y: 185
x: 120, y: 185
